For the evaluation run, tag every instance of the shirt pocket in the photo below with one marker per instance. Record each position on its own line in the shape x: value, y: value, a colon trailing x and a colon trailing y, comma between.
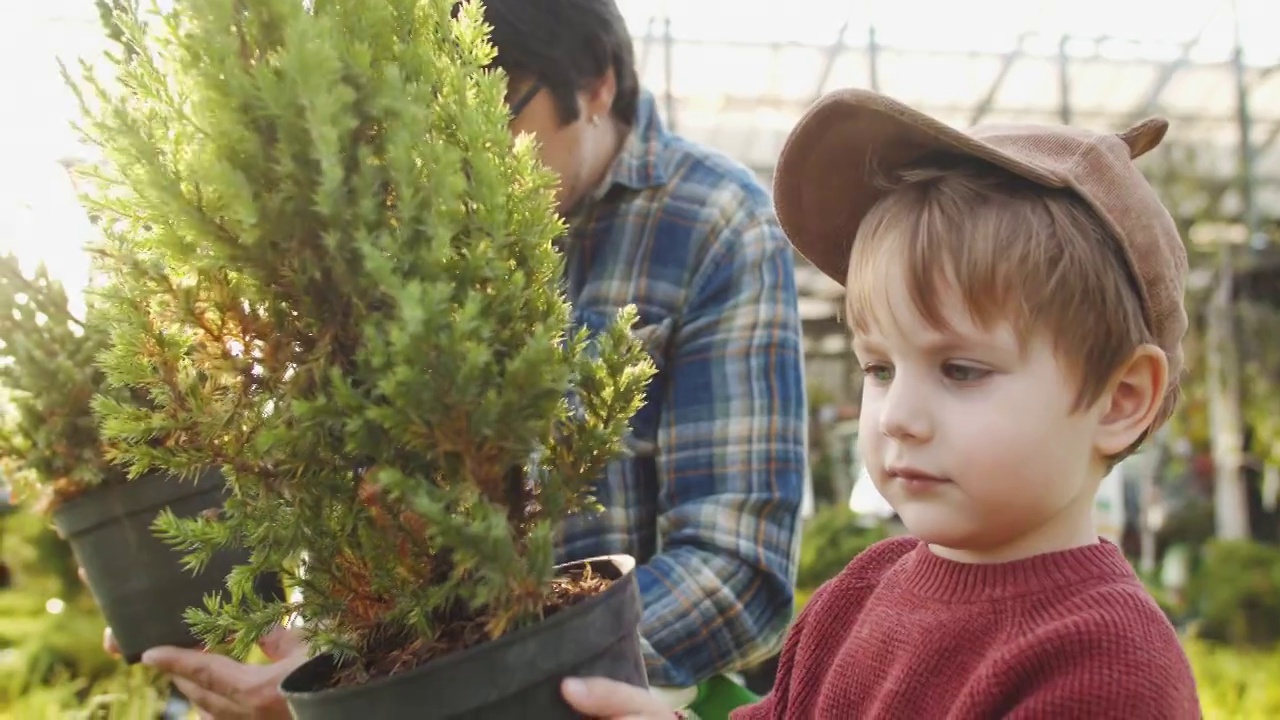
x: 654, y: 332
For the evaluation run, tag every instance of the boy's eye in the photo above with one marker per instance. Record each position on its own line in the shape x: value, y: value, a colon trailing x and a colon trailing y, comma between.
x: 878, y: 372
x: 964, y: 373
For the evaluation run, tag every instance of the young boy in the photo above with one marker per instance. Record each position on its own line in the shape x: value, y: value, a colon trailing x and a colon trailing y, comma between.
x: 1015, y: 295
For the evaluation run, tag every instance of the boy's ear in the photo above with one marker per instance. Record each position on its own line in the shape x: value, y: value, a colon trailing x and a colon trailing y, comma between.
x: 1132, y: 400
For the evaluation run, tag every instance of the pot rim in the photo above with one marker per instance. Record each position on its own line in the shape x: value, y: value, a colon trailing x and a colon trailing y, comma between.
x: 149, y: 493
x: 626, y: 563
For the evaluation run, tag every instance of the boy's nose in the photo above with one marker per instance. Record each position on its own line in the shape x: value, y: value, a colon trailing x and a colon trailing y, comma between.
x: 904, y: 414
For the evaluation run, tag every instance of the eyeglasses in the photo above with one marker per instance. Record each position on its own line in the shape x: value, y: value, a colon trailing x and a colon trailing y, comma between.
x: 525, y: 98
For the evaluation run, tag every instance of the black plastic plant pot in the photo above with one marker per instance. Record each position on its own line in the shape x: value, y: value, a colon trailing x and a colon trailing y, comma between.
x: 138, y: 580
x: 515, y: 676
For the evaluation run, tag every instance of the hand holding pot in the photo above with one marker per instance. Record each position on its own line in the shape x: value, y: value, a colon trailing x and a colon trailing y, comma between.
x: 223, y: 688
x: 613, y: 700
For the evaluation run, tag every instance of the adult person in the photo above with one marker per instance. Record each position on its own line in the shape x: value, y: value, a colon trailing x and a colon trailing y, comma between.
x: 708, y: 502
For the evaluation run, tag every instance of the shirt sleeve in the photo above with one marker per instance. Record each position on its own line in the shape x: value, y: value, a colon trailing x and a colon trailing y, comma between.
x: 774, y: 705
x: 730, y: 462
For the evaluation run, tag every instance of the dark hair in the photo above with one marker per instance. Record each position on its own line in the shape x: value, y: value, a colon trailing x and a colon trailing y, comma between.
x: 565, y: 45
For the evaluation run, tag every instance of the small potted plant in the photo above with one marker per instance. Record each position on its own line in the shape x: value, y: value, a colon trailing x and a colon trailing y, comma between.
x: 339, y: 282
x: 53, y: 454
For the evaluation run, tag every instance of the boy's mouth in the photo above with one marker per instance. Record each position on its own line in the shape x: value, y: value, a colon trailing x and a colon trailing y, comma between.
x: 914, y: 476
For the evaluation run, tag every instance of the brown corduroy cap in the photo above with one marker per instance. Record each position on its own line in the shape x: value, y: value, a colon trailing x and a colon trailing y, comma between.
x: 825, y: 183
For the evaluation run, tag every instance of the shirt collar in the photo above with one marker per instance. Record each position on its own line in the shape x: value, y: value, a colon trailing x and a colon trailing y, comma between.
x: 637, y: 164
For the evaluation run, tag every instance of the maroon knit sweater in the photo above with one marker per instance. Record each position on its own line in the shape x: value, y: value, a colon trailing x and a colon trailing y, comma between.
x: 903, y: 633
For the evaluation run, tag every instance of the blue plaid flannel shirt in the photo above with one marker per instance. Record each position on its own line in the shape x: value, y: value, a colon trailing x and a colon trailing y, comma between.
x: 709, y: 501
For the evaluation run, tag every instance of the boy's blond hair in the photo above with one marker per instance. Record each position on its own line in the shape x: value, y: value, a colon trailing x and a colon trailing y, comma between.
x: 1070, y: 199
x: 1037, y: 258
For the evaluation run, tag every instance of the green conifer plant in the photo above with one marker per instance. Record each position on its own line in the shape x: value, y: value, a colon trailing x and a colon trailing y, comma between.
x: 49, y: 440
x: 338, y: 284
x: 52, y: 449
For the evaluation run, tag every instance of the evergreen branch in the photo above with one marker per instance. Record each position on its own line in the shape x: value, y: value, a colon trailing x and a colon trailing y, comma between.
x: 36, y: 295
x: 350, y: 207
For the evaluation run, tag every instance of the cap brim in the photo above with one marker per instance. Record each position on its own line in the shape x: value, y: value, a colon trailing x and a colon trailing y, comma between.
x: 825, y: 181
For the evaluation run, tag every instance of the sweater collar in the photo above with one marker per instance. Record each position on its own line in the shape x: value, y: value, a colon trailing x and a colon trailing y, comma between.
x: 929, y: 575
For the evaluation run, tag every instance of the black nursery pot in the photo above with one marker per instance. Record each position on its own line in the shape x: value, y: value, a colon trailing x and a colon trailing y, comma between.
x: 515, y: 676
x: 137, y: 579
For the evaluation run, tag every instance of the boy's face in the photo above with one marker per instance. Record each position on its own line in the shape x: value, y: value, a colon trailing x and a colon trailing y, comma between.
x: 973, y: 437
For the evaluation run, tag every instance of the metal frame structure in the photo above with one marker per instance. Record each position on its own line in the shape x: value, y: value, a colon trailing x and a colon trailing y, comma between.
x: 742, y: 97
x: 1202, y: 100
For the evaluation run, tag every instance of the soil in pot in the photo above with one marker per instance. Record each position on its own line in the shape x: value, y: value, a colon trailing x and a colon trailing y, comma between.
x: 137, y: 579
x: 594, y: 631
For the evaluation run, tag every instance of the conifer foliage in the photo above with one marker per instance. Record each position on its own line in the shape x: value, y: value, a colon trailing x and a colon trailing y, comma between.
x: 333, y: 272
x: 49, y: 441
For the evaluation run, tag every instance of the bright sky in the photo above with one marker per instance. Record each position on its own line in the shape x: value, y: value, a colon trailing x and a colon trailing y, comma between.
x: 40, y: 220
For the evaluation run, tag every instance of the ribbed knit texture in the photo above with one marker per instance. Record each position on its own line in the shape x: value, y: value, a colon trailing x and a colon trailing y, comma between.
x: 903, y: 633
